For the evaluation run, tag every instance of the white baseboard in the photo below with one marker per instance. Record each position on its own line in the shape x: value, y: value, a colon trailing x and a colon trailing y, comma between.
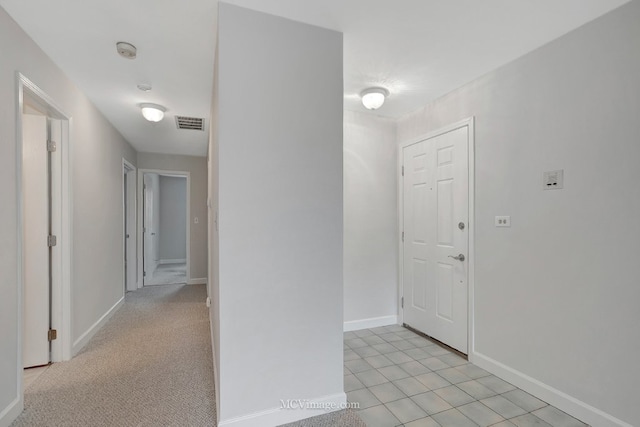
x: 202, y: 281
x: 278, y: 416
x: 572, y: 406
x: 84, y: 338
x: 11, y: 412
x: 374, y: 322
x: 172, y: 261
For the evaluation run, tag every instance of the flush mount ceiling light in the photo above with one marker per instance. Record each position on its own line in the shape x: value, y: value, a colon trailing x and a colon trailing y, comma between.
x: 373, y: 97
x: 153, y: 112
x: 126, y: 50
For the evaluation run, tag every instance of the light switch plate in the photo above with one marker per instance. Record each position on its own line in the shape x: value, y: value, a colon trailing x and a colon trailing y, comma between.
x: 503, y: 221
x: 553, y: 180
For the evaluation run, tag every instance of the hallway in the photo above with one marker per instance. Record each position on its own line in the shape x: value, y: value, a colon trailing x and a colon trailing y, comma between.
x: 150, y: 365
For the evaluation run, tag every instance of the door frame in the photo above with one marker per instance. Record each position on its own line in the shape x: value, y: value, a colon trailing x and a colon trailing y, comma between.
x: 131, y: 184
x: 62, y: 220
x: 140, y: 216
x: 469, y: 122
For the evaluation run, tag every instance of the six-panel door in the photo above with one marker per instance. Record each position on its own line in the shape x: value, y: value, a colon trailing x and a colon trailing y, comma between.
x: 436, y: 214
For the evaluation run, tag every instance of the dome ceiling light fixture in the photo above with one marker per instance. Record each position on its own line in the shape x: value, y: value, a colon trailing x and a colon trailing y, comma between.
x: 153, y: 112
x: 126, y: 50
x: 373, y: 97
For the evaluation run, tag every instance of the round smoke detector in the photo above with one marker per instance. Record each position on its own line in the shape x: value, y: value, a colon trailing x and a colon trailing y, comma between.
x: 144, y: 87
x: 126, y: 50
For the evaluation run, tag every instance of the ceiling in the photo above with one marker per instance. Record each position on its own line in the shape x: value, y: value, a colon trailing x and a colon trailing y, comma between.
x: 418, y: 49
x: 175, y: 42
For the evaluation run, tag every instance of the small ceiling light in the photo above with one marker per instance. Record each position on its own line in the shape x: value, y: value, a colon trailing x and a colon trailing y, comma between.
x: 126, y: 50
x: 373, y: 97
x: 144, y: 87
x: 153, y: 112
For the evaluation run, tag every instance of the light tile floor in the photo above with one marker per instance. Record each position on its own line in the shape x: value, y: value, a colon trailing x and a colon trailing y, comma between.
x: 402, y: 379
x: 168, y: 274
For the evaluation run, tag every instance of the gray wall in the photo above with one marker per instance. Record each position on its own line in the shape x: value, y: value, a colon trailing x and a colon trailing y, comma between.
x: 556, y: 295
x: 198, y: 192
x: 96, y: 179
x: 213, y: 277
x: 370, y: 218
x: 280, y: 213
x: 173, y: 218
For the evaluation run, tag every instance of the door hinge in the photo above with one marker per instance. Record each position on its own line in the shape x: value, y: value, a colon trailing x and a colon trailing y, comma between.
x: 402, y: 170
x: 51, y: 146
x: 403, y: 236
x: 52, y: 334
x: 402, y: 302
x: 144, y: 274
x: 52, y: 240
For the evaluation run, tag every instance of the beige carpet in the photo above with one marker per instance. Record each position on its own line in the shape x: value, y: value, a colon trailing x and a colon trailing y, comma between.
x: 150, y: 365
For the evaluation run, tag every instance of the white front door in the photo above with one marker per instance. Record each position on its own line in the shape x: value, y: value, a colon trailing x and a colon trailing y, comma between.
x: 436, y: 242
x: 36, y: 268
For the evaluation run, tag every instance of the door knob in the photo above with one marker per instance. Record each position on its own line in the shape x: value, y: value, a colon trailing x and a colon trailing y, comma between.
x: 459, y: 257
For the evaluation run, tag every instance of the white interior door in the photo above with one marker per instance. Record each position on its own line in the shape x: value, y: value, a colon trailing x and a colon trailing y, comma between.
x: 436, y: 242
x: 147, y: 224
x: 35, y: 181
x: 130, y: 229
x: 151, y: 224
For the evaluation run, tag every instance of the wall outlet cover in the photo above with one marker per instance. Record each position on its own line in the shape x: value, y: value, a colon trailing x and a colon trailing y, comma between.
x: 503, y: 221
x: 553, y: 180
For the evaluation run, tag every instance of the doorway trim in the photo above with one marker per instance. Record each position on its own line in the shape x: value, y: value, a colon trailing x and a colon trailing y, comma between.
x: 140, y: 224
x: 61, y: 315
x: 131, y: 183
x: 469, y: 123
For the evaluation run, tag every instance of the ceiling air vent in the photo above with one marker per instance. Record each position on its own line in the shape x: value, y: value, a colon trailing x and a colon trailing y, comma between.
x: 193, y: 123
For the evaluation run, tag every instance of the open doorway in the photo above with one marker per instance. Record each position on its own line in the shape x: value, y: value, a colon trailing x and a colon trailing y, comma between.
x: 44, y: 233
x: 165, y: 223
